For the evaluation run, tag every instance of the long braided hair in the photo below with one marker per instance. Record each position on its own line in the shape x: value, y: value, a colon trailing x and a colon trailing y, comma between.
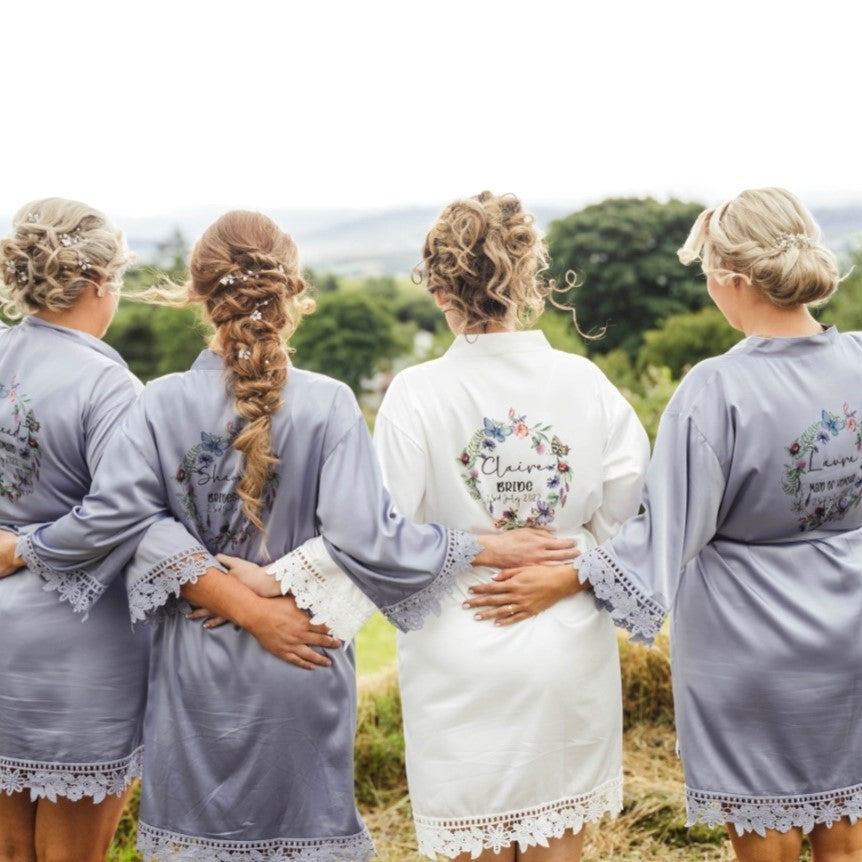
x: 244, y: 270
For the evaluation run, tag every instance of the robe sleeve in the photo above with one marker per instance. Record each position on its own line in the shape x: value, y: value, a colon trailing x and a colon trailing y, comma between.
x: 403, y: 568
x: 636, y: 574
x: 319, y: 585
x: 111, y: 396
x: 624, y: 461
x: 403, y: 464
x: 123, y: 515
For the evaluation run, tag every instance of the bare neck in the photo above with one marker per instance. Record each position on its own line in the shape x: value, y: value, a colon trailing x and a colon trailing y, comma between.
x: 769, y: 321
x: 84, y: 315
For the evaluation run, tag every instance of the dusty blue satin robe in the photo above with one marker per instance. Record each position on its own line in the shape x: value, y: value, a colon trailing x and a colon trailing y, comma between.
x: 247, y: 756
x: 752, y: 540
x: 72, y: 693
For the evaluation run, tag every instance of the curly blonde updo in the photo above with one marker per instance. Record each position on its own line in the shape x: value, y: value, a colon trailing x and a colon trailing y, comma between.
x: 56, y: 249
x: 245, y: 272
x: 769, y: 238
x: 486, y: 255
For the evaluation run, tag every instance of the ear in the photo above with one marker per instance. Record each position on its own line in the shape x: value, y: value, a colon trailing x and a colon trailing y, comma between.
x: 440, y: 299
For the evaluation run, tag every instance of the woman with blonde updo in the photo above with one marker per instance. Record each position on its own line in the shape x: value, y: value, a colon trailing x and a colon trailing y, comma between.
x: 513, y: 733
x: 248, y: 756
x: 752, y: 538
x: 71, y: 694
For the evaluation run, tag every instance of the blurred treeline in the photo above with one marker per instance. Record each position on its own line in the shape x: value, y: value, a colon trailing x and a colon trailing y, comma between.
x: 655, y: 313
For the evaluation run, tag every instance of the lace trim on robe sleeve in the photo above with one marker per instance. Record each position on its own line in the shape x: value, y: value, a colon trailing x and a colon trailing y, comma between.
x: 409, y: 614
x: 77, y: 587
x: 159, y: 588
x: 319, y: 585
x: 614, y: 591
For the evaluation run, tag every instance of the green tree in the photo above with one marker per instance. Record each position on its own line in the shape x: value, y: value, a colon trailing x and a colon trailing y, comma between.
x: 155, y: 340
x: 561, y: 333
x: 624, y: 253
x: 417, y: 307
x: 321, y: 282
x: 685, y: 339
x: 845, y: 307
x: 171, y: 255
x: 350, y: 337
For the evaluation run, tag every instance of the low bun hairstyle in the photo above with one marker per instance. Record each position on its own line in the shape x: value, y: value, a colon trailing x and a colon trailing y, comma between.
x: 56, y: 249
x: 769, y: 238
x: 244, y: 270
x: 487, y: 256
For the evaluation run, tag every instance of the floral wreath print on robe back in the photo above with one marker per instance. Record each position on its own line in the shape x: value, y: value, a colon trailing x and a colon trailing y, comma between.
x: 20, y: 453
x: 519, y: 471
x: 824, y: 475
x: 208, y: 476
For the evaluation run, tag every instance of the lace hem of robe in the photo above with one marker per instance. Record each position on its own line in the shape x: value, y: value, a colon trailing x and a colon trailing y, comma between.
x: 409, y: 614
x: 72, y: 781
x: 343, y: 612
x: 149, y: 595
x: 529, y: 827
x: 782, y: 813
x: 78, y: 588
x: 625, y: 601
x: 159, y: 845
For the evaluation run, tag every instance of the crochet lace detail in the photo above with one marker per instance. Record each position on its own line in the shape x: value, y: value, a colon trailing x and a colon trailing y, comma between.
x: 161, y: 584
x: 782, y: 813
x: 616, y: 593
x: 338, y: 604
x: 158, y: 845
x: 409, y: 614
x: 70, y: 780
x: 78, y: 588
x: 529, y: 827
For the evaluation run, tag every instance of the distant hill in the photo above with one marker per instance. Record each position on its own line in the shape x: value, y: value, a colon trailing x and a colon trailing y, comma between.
x: 349, y: 242
x: 369, y: 242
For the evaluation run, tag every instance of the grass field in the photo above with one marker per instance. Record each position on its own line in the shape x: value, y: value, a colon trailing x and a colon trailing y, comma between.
x: 651, y: 827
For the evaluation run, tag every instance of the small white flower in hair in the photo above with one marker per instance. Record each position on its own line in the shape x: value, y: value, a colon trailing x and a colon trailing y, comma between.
x: 68, y: 239
x: 243, y: 353
x: 227, y: 279
x: 32, y: 217
x: 280, y: 268
x: 84, y: 264
x: 256, y: 315
x: 792, y: 240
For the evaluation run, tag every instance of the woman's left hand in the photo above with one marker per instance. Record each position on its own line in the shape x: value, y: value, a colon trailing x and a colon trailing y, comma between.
x: 211, y: 620
x: 517, y: 594
x: 253, y: 576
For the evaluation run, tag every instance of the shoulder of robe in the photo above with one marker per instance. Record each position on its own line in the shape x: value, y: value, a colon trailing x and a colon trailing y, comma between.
x: 854, y: 336
x: 706, y: 384
x: 315, y: 382
x: 106, y: 375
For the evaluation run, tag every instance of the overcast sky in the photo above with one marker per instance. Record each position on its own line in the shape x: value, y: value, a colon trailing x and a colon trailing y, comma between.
x: 148, y: 108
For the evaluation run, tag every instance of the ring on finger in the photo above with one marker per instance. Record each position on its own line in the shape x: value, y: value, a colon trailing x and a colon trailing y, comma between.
x: 510, y: 609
